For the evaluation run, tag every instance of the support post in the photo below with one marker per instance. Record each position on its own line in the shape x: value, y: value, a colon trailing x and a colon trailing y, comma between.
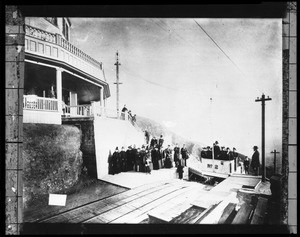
x: 101, y: 96
x: 59, y: 88
x: 275, y: 152
x: 262, y: 100
x: 117, y: 82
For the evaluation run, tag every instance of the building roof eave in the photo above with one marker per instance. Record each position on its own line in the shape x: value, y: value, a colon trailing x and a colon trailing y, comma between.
x: 56, y: 63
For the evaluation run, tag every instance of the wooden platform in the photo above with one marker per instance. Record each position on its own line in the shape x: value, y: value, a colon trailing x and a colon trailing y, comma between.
x: 176, y: 201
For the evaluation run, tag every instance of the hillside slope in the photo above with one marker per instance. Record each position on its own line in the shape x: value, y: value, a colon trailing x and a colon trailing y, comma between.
x: 156, y: 129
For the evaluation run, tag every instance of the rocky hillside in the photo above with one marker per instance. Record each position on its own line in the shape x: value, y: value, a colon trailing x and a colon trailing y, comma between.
x: 156, y: 129
x: 52, y: 159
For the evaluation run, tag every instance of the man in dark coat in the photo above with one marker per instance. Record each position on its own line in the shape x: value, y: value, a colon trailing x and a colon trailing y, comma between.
x: 184, y: 154
x: 123, y: 160
x: 154, y: 157
x: 204, y: 152
x: 153, y: 142
x: 255, y: 160
x: 124, y: 110
x: 168, y: 160
x: 138, y: 160
x: 209, y: 152
x: 110, y: 164
x: 217, y: 150
x: 133, y: 158
x: 116, y: 161
x: 142, y: 160
x: 160, y: 142
x: 176, y: 153
x: 147, y: 137
x: 129, y: 159
x: 222, y: 155
x: 179, y: 169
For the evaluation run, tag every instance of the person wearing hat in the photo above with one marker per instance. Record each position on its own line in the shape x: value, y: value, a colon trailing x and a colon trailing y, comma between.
x: 255, y: 160
x: 217, y: 150
x: 115, y: 161
x: 222, y: 154
x: 147, y: 137
x: 129, y: 159
x: 203, y: 153
x: 123, y: 159
x: 155, y: 158
x: 209, y: 152
x: 160, y: 142
x: 184, y: 154
x: 168, y: 160
x: 176, y: 154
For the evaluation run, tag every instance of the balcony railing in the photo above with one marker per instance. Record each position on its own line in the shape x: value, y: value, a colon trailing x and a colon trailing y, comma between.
x: 51, y: 45
x: 33, y: 102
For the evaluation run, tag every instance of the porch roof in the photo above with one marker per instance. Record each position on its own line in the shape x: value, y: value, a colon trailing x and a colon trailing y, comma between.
x: 70, y: 68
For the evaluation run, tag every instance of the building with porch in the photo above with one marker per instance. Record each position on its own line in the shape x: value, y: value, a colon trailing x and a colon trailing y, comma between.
x: 65, y: 86
x: 60, y: 79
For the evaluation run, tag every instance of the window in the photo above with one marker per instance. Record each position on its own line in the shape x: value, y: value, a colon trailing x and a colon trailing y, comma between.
x: 65, y: 29
x: 52, y: 20
x: 216, y: 166
x: 209, y: 165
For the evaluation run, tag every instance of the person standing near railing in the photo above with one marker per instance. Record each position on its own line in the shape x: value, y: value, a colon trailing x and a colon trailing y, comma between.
x: 124, y: 111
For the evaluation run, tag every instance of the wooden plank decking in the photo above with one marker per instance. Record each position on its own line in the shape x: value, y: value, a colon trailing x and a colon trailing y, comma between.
x: 173, y: 201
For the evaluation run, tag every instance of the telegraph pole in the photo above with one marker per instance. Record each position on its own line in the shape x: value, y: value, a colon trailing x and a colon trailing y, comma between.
x: 275, y: 152
x: 117, y: 82
x: 262, y: 100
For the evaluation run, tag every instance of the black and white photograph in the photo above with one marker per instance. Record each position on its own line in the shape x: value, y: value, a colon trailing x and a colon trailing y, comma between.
x: 152, y: 120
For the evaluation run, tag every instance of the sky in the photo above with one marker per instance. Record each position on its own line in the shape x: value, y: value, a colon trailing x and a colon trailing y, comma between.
x: 200, y: 85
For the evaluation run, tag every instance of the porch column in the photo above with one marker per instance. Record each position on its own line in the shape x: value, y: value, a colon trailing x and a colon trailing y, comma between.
x: 59, y: 88
x: 101, y: 97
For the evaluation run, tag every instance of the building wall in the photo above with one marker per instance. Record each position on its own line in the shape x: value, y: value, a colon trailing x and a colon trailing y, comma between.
x: 31, y: 116
x: 42, y: 23
x: 112, y: 133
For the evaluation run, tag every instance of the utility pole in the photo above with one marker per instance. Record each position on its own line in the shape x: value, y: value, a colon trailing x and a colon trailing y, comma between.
x: 262, y: 100
x: 117, y: 82
x: 275, y: 152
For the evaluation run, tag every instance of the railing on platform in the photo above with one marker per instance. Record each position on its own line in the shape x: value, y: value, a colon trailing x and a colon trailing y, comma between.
x: 33, y: 102
x: 51, y: 45
x: 78, y: 111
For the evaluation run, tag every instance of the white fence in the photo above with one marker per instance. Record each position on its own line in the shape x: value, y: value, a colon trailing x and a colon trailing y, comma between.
x: 33, y: 102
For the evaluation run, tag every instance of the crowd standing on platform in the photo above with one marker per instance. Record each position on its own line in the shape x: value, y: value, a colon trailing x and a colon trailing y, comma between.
x: 150, y: 156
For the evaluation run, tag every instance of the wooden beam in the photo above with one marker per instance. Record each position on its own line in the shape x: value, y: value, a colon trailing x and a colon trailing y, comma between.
x: 260, y: 211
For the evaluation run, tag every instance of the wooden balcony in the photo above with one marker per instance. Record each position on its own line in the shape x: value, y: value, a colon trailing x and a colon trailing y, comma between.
x: 53, y: 46
x: 45, y: 110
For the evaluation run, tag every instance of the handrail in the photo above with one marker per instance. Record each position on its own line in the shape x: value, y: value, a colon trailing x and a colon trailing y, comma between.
x: 33, y: 102
x: 56, y: 39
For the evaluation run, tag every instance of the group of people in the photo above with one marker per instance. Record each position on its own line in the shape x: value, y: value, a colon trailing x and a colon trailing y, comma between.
x: 219, y: 153
x: 132, y: 117
x: 149, y: 156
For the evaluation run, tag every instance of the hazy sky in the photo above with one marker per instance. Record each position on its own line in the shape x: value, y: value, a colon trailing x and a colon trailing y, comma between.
x: 173, y: 72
